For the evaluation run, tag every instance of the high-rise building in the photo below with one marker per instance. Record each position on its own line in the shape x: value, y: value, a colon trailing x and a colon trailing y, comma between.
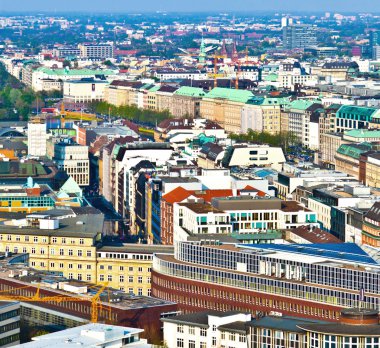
x: 299, y: 36
x: 374, y: 38
x: 96, y: 51
x: 37, y: 137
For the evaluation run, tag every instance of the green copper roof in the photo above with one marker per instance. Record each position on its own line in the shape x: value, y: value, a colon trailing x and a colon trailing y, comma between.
x: 271, y: 77
x: 236, y: 95
x: 354, y: 150
x: 301, y: 104
x: 269, y: 101
x: 363, y: 133
x: 190, y: 92
x: 357, y: 111
x: 76, y: 72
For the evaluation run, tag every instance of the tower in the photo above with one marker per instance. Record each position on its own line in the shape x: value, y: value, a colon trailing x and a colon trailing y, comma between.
x: 202, y: 53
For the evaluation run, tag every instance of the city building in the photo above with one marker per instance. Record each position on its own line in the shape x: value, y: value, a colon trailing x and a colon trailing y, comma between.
x: 224, y: 106
x: 74, y: 160
x: 90, y: 51
x: 9, y: 324
x: 251, y: 212
x: 314, y: 281
x: 253, y: 155
x: 205, y: 329
x: 37, y: 135
x: 371, y: 226
x: 84, y: 90
x: 354, y: 117
x: 299, y: 36
x: 91, y: 336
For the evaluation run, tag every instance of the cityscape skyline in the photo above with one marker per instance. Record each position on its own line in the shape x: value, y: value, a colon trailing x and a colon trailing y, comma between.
x: 194, y: 6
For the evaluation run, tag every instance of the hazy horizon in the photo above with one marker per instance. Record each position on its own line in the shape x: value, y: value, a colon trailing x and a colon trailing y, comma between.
x: 188, y: 6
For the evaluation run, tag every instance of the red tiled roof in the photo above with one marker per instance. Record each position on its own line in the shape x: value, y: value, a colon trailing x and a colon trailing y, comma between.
x: 250, y: 188
x: 177, y: 195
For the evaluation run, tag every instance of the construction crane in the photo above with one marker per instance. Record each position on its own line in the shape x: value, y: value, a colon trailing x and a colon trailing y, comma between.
x: 96, y: 304
x: 215, y: 75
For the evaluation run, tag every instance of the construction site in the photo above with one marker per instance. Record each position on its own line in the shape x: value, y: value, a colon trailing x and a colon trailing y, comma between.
x: 50, y: 302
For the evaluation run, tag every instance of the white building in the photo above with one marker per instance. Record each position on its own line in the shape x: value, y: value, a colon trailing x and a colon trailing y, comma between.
x: 84, y: 90
x: 9, y: 324
x: 37, y: 137
x: 254, y: 155
x: 74, y: 160
x: 96, y: 51
x: 205, y: 329
x: 91, y: 336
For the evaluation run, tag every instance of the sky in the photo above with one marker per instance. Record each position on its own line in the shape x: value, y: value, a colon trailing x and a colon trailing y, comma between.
x: 189, y: 5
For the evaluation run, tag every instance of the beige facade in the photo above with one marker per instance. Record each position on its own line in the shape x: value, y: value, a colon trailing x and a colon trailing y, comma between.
x: 184, y: 106
x: 329, y: 144
x: 224, y: 112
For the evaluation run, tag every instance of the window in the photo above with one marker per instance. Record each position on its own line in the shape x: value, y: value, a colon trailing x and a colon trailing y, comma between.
x: 110, y: 268
x: 140, y: 280
x: 61, y: 252
x: 101, y: 277
x: 213, y: 341
x: 242, y: 338
x: 130, y: 279
x: 79, y: 276
x: 52, y: 251
x: 88, y: 267
x: 70, y: 276
x: 191, y: 344
x: 180, y: 343
x: 180, y: 328
x: 61, y: 265
x: 70, y: 252
x: 88, y: 277
x: 203, y: 345
x: 149, y: 292
x: 52, y: 265
x: 130, y: 291
x: 121, y: 268
x: 203, y: 332
x: 109, y: 278
x: 231, y: 336
x: 70, y: 266
x: 121, y: 279
x: 63, y: 240
x: 101, y: 267
x: 223, y: 335
x: 35, y: 239
x: 130, y: 269
x: 139, y: 291
x: 33, y: 250
x: 79, y: 266
x: 81, y: 241
x: 89, y: 253
x: 80, y: 253
x: 54, y: 240
x: 140, y: 269
x: 191, y: 330
x: 214, y: 328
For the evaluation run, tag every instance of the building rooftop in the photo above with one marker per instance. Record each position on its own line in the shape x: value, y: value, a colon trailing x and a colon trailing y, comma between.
x: 236, y: 95
x: 357, y: 110
x: 199, y: 319
x: 86, y: 336
x: 363, y: 133
x: 190, y: 92
x: 346, y: 252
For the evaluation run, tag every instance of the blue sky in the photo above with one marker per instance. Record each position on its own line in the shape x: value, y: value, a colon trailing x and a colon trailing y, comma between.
x: 190, y: 5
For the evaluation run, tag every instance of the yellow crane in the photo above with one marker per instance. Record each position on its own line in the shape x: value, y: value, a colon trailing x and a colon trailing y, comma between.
x: 96, y: 304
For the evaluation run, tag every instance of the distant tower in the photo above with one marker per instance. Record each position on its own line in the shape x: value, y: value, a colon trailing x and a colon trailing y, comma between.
x: 202, y: 53
x: 223, y: 51
x: 235, y: 54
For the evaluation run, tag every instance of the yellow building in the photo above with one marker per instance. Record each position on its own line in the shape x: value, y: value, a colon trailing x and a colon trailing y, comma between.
x: 72, y: 247
x: 120, y: 93
x: 128, y: 267
x: 224, y: 106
